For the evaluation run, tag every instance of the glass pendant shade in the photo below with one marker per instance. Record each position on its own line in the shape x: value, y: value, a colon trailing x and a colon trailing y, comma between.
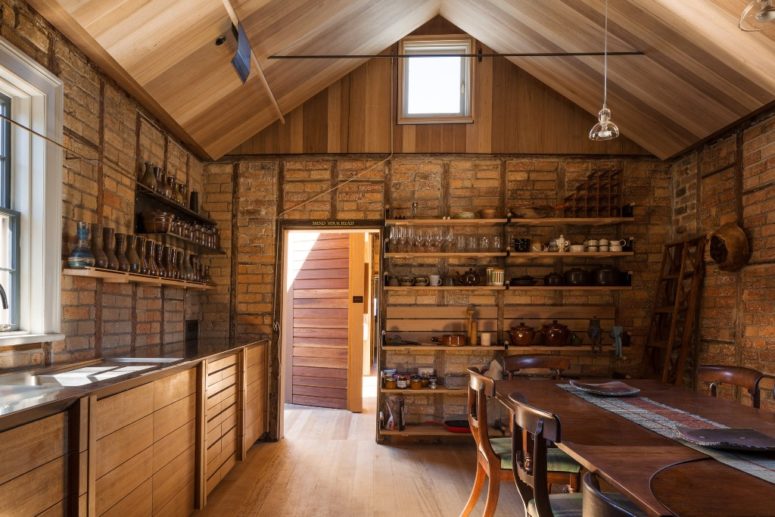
x: 766, y: 12
x: 605, y: 129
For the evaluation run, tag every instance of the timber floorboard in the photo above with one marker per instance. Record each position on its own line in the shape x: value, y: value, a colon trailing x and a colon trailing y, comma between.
x: 329, y: 464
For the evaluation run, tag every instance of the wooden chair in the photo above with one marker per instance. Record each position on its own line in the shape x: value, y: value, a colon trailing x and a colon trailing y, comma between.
x: 533, y: 427
x: 737, y: 375
x: 597, y: 503
x: 556, y: 365
x: 493, y: 455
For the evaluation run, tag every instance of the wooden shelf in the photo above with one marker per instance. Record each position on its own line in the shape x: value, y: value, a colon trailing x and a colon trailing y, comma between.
x: 520, y: 288
x: 425, y: 391
x: 570, y: 254
x: 571, y: 221
x: 446, y: 288
x: 445, y: 222
x: 178, y: 208
x: 516, y: 350
x: 424, y: 430
x: 166, y: 237
x: 118, y: 277
x: 440, y: 347
x: 430, y: 254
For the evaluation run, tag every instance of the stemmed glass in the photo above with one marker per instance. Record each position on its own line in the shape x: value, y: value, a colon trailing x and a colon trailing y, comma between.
x: 419, y: 240
x: 449, y: 239
x: 438, y: 239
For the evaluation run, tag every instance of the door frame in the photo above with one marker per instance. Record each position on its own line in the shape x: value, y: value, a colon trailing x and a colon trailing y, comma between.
x: 277, y: 352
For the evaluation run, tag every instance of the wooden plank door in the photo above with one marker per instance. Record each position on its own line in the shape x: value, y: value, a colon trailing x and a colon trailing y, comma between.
x: 318, y: 337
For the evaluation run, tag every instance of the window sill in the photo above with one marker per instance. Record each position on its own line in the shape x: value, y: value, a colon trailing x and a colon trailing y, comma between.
x: 23, y: 338
x: 461, y: 119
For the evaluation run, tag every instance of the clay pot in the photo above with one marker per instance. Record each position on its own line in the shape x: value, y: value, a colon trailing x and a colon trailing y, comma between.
x: 607, y: 275
x: 98, y: 246
x: 555, y: 334
x: 576, y: 276
x: 729, y: 247
x: 131, y: 254
x: 148, y: 177
x: 123, y: 263
x: 150, y: 259
x: 109, y: 243
x: 161, y: 269
x: 142, y: 254
x: 522, y: 335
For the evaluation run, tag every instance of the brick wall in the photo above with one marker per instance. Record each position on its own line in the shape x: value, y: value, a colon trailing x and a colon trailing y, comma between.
x: 114, y: 134
x: 248, y: 196
x: 733, y: 179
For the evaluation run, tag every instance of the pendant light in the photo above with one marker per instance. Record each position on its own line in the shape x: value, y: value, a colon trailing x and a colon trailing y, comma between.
x: 605, y: 129
x: 765, y: 14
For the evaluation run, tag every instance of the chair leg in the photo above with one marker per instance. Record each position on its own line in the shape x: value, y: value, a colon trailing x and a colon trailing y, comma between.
x: 493, y: 491
x: 475, y: 490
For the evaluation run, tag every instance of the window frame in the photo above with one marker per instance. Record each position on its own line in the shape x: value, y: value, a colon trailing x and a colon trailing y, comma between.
x: 37, y: 101
x: 468, y: 79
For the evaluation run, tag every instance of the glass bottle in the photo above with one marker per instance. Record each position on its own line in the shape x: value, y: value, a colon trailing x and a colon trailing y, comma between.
x: 131, y: 254
x: 98, y: 247
x: 109, y: 242
x: 81, y: 256
x: 123, y: 263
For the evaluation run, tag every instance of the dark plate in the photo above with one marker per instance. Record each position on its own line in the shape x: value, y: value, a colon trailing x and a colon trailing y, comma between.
x: 732, y: 439
x: 523, y: 280
x: 607, y: 389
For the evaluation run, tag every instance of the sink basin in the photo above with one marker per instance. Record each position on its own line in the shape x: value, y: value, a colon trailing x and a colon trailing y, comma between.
x: 145, y: 360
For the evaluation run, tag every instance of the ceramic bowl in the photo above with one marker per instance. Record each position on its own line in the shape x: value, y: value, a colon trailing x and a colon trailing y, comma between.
x: 576, y: 248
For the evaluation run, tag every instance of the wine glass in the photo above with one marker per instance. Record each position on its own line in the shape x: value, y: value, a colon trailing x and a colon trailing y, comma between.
x: 449, y: 239
x: 438, y: 239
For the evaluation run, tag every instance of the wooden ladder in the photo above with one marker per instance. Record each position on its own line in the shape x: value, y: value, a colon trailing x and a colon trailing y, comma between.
x: 675, y: 309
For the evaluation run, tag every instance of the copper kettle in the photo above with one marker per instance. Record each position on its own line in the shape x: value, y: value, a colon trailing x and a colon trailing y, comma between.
x: 522, y: 335
x: 555, y: 334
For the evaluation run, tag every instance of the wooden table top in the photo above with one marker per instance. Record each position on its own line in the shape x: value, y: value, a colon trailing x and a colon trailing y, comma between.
x: 659, y: 474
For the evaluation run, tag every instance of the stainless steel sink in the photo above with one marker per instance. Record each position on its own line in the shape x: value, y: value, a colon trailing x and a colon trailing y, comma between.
x: 145, y: 360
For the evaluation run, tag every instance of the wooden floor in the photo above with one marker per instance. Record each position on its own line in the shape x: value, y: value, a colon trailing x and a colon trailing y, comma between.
x: 330, y: 464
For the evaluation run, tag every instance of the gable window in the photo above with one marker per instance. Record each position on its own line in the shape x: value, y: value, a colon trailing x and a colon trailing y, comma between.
x: 30, y: 199
x: 435, y: 86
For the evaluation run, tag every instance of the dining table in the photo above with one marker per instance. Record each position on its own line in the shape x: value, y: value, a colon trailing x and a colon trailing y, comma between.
x: 626, y: 441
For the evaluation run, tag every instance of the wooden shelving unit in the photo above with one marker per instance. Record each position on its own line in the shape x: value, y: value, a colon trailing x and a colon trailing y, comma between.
x: 420, y: 327
x: 432, y: 254
x: 148, y: 193
x: 167, y: 238
x: 424, y: 391
x: 118, y: 277
x: 445, y: 222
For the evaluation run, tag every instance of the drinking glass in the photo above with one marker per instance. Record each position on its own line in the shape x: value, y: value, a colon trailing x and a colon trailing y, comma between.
x: 449, y: 240
x: 484, y: 243
x: 472, y: 243
x: 460, y: 243
x: 438, y: 239
x: 418, y: 240
x: 497, y: 244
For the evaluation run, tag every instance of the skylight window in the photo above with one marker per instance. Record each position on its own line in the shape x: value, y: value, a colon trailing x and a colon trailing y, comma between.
x: 435, y: 86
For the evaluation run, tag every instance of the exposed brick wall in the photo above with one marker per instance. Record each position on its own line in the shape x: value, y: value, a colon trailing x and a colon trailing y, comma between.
x: 115, y: 134
x: 733, y: 179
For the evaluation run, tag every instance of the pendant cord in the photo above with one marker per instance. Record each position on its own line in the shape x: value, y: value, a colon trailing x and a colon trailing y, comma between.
x: 605, y: 58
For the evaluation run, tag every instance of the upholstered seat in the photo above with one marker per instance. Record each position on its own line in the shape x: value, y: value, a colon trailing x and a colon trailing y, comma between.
x: 563, y: 505
x: 556, y: 460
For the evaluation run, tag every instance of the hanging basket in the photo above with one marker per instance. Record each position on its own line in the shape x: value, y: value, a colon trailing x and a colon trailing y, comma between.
x: 729, y: 247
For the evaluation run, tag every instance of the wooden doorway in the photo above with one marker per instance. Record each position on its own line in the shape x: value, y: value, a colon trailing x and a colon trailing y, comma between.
x: 326, y: 302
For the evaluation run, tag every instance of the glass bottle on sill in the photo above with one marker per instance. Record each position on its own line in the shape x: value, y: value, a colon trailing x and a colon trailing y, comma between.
x: 81, y: 257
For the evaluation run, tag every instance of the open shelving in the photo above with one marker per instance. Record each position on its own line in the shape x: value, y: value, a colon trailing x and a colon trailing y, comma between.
x: 167, y: 238
x: 446, y: 254
x: 424, y: 391
x: 120, y: 277
x: 176, y: 207
x: 445, y: 222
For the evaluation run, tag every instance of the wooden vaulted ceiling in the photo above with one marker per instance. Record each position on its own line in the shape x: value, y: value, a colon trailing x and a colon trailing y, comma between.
x: 699, y: 74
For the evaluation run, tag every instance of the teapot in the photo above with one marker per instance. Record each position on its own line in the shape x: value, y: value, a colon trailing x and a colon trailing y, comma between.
x: 522, y: 335
x: 470, y: 277
x: 562, y: 244
x: 555, y: 334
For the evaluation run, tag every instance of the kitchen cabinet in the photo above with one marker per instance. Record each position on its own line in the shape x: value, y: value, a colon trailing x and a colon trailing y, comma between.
x: 255, y: 393
x: 33, y: 467
x: 144, y: 451
x: 221, y: 418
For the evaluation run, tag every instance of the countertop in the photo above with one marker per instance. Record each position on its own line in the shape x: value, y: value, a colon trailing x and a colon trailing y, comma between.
x: 25, y: 398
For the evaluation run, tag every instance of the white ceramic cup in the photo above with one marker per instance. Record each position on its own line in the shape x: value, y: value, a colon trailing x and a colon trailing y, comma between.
x: 591, y: 249
x: 618, y: 242
x: 603, y: 248
x: 485, y: 339
x: 591, y: 242
x: 435, y: 280
x: 616, y: 248
x: 603, y: 242
x: 576, y: 248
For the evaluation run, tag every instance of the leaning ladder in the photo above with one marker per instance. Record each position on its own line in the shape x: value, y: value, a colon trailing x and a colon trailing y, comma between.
x: 675, y: 309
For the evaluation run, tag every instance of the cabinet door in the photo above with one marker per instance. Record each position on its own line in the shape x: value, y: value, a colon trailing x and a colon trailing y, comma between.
x: 33, y: 467
x: 221, y: 416
x: 254, y: 419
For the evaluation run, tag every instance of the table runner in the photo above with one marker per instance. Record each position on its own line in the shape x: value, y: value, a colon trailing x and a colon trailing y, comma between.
x: 665, y: 420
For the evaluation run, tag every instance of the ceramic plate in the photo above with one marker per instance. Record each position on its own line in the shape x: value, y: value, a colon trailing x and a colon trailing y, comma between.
x: 734, y: 439
x: 607, y: 389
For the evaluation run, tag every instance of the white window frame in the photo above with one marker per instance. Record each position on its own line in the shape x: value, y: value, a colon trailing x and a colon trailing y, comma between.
x: 37, y: 102
x: 435, y: 45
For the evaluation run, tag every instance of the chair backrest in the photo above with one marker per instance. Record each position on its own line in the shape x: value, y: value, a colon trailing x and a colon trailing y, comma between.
x: 480, y: 388
x: 597, y: 503
x: 747, y: 378
x: 555, y: 364
x: 532, y: 427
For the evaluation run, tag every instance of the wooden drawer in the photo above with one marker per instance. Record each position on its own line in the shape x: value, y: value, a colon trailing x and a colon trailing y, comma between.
x: 172, y: 445
x: 120, y: 410
x: 34, y: 492
x: 136, y: 504
x: 32, y: 445
x: 221, y: 450
x: 220, y: 364
x: 173, y: 416
x: 181, y: 505
x: 220, y: 424
x: 216, y: 478
x: 227, y: 394
x: 173, y: 478
x: 173, y: 388
x: 120, y: 446
x: 123, y: 480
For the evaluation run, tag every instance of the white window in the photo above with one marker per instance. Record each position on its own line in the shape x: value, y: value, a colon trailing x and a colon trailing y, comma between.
x: 435, y: 86
x: 30, y: 200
